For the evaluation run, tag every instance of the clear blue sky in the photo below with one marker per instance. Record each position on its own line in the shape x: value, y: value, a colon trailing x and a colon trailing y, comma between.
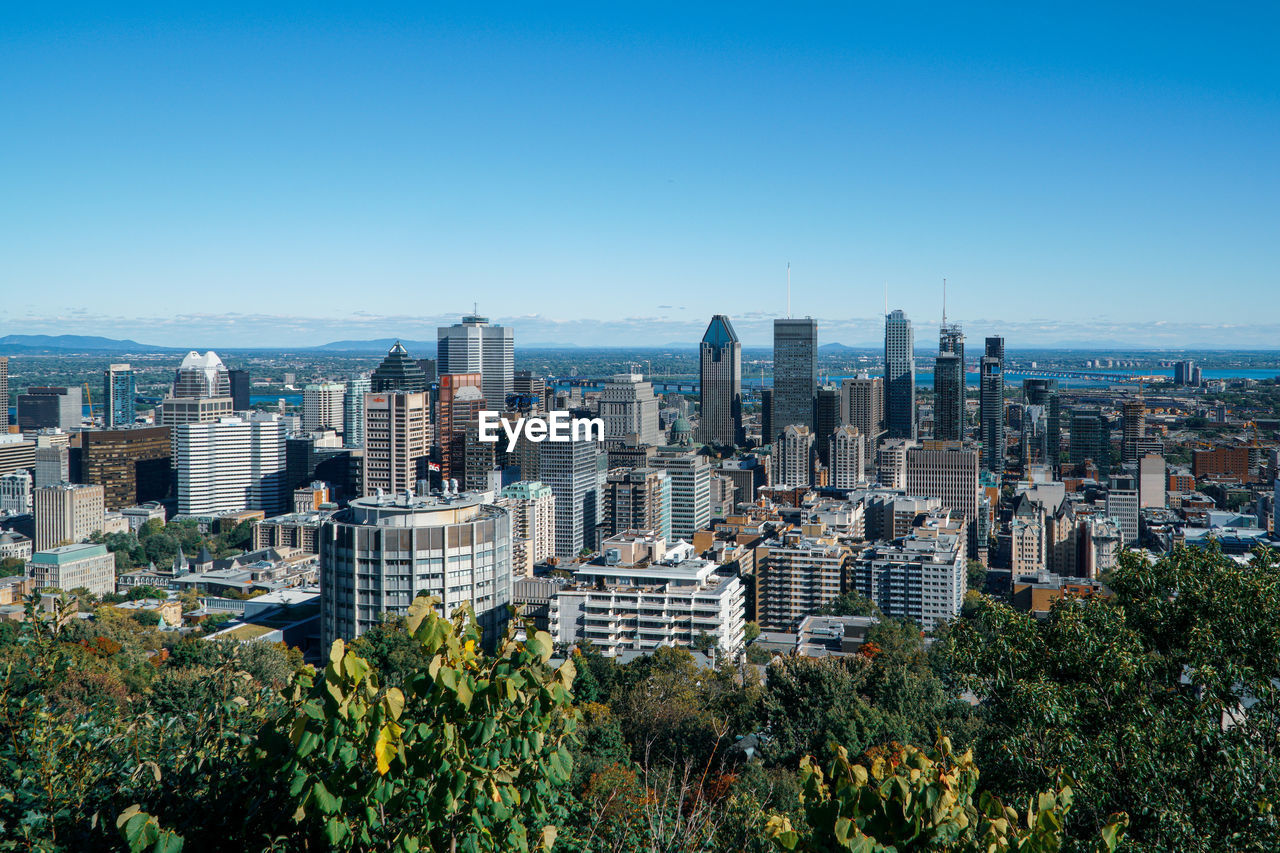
x: 330, y: 172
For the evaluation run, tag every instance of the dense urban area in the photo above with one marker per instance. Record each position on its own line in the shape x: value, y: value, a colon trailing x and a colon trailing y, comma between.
x: 800, y: 597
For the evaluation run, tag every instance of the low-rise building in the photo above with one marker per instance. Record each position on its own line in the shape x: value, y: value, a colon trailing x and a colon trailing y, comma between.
x: 921, y: 576
x: 69, y: 567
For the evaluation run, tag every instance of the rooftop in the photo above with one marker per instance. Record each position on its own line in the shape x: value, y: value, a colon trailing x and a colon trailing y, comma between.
x: 67, y: 553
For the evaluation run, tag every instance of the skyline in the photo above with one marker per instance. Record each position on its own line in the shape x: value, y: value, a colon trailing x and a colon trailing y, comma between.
x: 621, y: 177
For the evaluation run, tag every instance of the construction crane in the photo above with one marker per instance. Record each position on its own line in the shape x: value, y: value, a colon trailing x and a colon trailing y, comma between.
x: 88, y: 395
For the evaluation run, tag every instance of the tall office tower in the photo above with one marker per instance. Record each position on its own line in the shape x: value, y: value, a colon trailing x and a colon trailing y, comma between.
x: 573, y: 469
x: 1123, y: 505
x: 353, y: 410
x: 1184, y: 372
x: 795, y: 457
x: 378, y: 554
x: 891, y: 462
x: 826, y: 418
x: 66, y: 513
x: 193, y: 410
x: 233, y: 464
x: 119, y: 392
x: 238, y: 380
x: 948, y: 471
x: 795, y: 374
x: 629, y: 410
x: 201, y: 376
x: 397, y: 441
x: 720, y: 377
x: 1044, y: 392
x: 1090, y: 441
x: 531, y: 391
x: 4, y: 394
x: 899, y: 376
x: 1135, y: 428
x: 767, y: 434
x: 133, y: 465
x: 53, y: 465
x: 473, y: 346
x: 992, y: 406
x: 1152, y: 481
x: 533, y: 524
x: 848, y: 458
x: 16, y: 453
x: 460, y: 401
x: 45, y: 407
x: 690, y: 490
x: 862, y: 399
x: 398, y: 372
x: 322, y: 406
x: 638, y: 499
x: 948, y: 396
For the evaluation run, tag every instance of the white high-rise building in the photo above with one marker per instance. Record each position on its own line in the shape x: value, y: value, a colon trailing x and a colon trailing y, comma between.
x: 474, y: 346
x: 1153, y: 481
x: 232, y: 464
x: 690, y: 490
x: 353, y: 410
x: 629, y: 410
x: 322, y: 407
x: 532, y: 507
x: 921, y: 576
x: 1122, y: 505
x: 891, y: 462
x: 795, y: 457
x: 201, y: 376
x: 67, y: 513
x: 848, y: 455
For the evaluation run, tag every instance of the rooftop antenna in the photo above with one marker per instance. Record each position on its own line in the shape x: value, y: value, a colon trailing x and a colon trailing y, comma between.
x: 886, y: 299
x: 944, y: 302
x: 788, y: 290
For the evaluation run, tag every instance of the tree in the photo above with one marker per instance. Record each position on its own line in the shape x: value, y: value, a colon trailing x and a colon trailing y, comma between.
x: 902, y: 798
x: 750, y: 632
x: 851, y: 603
x: 1160, y: 701
x: 471, y: 755
x: 977, y: 575
x: 12, y: 566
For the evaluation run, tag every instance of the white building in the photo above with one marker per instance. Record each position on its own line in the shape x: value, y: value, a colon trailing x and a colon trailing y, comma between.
x: 15, y: 492
x: 14, y: 545
x: 323, y: 407
x: 67, y: 513
x: 921, y: 576
x: 229, y: 465
x: 139, y: 515
x: 795, y: 457
x: 670, y: 600
x: 1153, y: 482
x: 533, y: 524
x: 474, y: 346
x: 891, y: 462
x: 1122, y: 505
x: 848, y: 458
x: 629, y: 410
x: 948, y: 471
x: 690, y: 489
x: 69, y: 567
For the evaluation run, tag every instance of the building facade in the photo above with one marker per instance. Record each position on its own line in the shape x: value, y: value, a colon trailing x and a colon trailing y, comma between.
x: 795, y: 374
x: 323, y: 406
x: 397, y: 441
x: 532, y: 507
x: 899, y: 376
x: 629, y: 410
x: 233, y: 464
x: 133, y: 466
x: 67, y: 513
x: 475, y: 346
x: 80, y: 566
x: 720, y: 384
x: 991, y: 413
x: 119, y: 396
x: 690, y: 490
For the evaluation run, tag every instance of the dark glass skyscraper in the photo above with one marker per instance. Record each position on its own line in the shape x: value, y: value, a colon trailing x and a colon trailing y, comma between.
x: 795, y: 373
x: 899, y: 376
x: 398, y: 372
x: 826, y: 419
x: 948, y: 384
x: 992, y: 405
x: 720, y: 375
x: 239, y: 380
x: 1044, y: 392
x: 119, y: 396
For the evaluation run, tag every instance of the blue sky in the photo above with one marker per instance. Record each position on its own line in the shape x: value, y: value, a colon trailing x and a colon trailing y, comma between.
x: 615, y: 173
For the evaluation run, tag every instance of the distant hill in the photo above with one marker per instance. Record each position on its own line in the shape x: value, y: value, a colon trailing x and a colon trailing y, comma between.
x: 12, y: 344
x: 418, y: 349
x: 835, y: 347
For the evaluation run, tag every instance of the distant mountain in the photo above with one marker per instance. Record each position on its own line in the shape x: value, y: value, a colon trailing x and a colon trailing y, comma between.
x: 417, y: 349
x: 12, y: 344
x: 835, y: 347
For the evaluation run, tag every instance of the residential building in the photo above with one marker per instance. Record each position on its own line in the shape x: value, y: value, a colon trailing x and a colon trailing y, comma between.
x: 921, y: 577
x: 67, y: 513
x: 899, y: 376
x: 296, y: 530
x: 795, y: 374
x: 232, y: 464
x: 991, y: 414
x: 720, y: 384
x: 1134, y: 415
x: 1090, y: 440
x: 948, y: 471
x: 353, y: 410
x: 638, y: 499
x: 475, y: 346
x: 794, y: 453
x: 53, y: 464
x: 948, y: 384
x: 15, y: 492
x: 862, y: 401
x: 641, y: 595
x: 891, y: 462
x: 397, y: 440
x: 690, y: 489
x: 323, y: 406
x: 532, y: 507
x: 78, y: 566
x: 847, y: 452
x: 132, y: 465
x: 796, y: 576
x: 380, y: 553
x: 460, y: 402
x: 119, y: 396
x: 629, y: 410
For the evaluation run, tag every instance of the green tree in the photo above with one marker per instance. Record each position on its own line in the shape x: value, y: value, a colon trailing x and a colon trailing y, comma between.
x: 750, y: 632
x: 851, y: 603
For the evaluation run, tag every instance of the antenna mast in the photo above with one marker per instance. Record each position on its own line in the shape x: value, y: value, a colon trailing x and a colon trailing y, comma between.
x: 944, y: 302
x: 788, y: 290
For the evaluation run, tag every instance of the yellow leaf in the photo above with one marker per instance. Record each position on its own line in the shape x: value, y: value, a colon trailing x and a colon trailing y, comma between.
x: 385, y: 749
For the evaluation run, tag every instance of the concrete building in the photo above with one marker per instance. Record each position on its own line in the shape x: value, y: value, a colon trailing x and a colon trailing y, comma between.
x: 136, y: 516
x: 948, y: 471
x: 119, y: 396
x: 826, y: 420
x: 1044, y: 393
x: 891, y: 462
x: 323, y: 406
x: 921, y: 577
x: 132, y: 465
x: 949, y: 385
x: 1134, y: 415
x: 638, y: 499
x: 16, y: 453
x: 794, y: 453
x: 629, y: 410
x: 53, y: 464
x: 690, y: 490
x: 848, y: 458
x: 575, y: 472
x: 795, y: 576
x: 720, y: 376
x: 175, y: 411
x: 397, y: 441
x: 14, y: 546
x: 378, y: 554
x: 532, y: 507
x: 991, y: 413
x: 4, y: 394
x: 795, y: 374
x: 641, y: 595
x: 47, y: 407
x: 899, y: 376
x: 68, y: 567
x: 201, y: 376
x: 297, y: 530
x: 474, y: 346
x: 460, y: 402
x: 67, y: 513
x: 353, y: 410
x: 1124, y: 506
x: 1152, y: 482
x: 233, y: 464
x: 15, y: 492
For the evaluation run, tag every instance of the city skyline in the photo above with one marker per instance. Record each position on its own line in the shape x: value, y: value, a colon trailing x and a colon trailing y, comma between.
x: 206, y: 170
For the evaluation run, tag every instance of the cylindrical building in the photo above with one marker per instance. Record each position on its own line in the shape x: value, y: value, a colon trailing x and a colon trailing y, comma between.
x: 379, y: 553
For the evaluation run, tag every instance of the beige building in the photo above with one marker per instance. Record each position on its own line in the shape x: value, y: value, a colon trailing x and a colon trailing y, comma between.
x: 533, y: 524
x: 69, y: 567
x: 862, y: 407
x: 397, y: 441
x: 797, y: 576
x: 848, y: 458
x: 323, y: 406
x: 948, y: 471
x: 67, y: 513
x: 175, y: 411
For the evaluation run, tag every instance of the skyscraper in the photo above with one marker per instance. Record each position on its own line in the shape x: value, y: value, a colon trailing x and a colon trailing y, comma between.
x: 398, y: 372
x: 899, y: 376
x: 795, y: 373
x: 239, y: 381
x: 44, y: 407
x: 1135, y: 427
x: 67, y: 513
x: 573, y: 470
x: 1089, y: 439
x: 322, y: 406
x: 460, y: 401
x: 638, y: 499
x: 862, y: 399
x: 629, y: 410
x: 992, y: 406
x: 826, y: 419
x: 690, y: 489
x: 353, y: 410
x: 1044, y: 392
x: 948, y: 384
x: 795, y: 457
x: 397, y: 440
x: 230, y: 465
x: 119, y: 391
x: 848, y: 458
x: 201, y: 376
x: 720, y: 373
x: 132, y: 465
x: 4, y: 394
x: 474, y: 346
